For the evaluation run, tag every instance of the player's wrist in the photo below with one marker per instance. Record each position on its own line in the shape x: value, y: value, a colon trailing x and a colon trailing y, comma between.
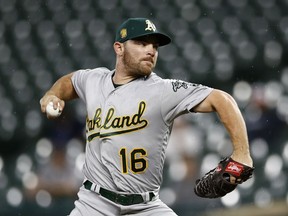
x: 243, y: 158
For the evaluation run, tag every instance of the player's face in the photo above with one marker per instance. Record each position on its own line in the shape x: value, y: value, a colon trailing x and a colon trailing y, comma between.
x: 140, y: 56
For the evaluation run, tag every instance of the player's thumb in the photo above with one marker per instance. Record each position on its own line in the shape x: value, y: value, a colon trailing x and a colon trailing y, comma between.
x: 42, y: 105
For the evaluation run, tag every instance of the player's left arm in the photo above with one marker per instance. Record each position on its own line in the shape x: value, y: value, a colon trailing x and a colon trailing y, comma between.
x: 230, y: 115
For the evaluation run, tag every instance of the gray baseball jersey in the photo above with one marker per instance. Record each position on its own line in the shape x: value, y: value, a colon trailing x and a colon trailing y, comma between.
x: 128, y: 127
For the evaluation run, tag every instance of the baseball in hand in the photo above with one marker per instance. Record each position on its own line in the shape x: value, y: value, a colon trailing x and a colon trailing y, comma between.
x: 50, y: 111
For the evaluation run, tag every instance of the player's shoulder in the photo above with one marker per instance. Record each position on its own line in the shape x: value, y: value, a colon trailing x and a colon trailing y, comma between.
x: 175, y: 84
x: 159, y: 80
x: 154, y: 78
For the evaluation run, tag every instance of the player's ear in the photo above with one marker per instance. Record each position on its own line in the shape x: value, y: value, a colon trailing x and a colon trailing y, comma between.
x: 118, y: 48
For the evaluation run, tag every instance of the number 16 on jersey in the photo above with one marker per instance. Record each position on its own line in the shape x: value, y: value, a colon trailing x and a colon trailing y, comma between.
x: 137, y: 158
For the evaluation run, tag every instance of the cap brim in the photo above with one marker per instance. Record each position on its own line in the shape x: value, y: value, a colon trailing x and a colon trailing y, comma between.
x: 161, y: 38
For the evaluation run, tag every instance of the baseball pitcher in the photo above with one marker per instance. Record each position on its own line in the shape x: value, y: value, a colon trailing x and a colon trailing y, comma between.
x: 130, y: 113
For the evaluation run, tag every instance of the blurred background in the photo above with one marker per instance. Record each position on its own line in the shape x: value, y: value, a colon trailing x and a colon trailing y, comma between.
x: 239, y: 46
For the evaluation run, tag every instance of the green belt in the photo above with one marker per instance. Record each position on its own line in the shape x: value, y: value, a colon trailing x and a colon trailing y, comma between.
x: 122, y: 199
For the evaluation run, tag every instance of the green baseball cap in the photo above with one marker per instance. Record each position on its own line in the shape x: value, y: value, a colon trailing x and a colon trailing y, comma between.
x: 134, y: 28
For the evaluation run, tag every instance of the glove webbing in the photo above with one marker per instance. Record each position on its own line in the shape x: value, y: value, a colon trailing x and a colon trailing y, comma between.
x: 208, y: 186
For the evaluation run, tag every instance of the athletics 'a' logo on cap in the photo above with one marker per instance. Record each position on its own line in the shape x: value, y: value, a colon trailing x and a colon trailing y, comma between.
x: 123, y: 33
x: 150, y: 26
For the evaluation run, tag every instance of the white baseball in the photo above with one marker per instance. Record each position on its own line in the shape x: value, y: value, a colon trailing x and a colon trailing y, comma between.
x: 50, y: 111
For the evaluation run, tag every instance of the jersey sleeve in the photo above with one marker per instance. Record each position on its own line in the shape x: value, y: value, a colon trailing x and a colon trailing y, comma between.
x: 179, y: 97
x: 79, y: 80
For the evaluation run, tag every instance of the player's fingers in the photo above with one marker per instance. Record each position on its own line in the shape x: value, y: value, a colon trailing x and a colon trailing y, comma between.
x: 44, y: 101
x: 57, y: 103
x: 62, y: 105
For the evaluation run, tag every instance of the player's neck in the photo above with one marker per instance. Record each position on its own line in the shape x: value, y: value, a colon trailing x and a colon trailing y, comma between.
x: 119, y: 79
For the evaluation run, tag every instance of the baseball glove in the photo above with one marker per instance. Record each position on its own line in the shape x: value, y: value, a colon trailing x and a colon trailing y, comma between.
x: 223, y: 179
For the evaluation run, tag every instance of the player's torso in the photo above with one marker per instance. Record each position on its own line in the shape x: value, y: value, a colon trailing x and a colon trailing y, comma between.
x: 126, y: 132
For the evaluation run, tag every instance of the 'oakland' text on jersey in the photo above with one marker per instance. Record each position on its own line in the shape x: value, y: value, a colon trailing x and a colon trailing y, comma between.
x: 120, y: 124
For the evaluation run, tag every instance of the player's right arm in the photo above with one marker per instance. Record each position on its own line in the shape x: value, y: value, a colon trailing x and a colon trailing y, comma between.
x: 62, y: 90
x: 230, y: 115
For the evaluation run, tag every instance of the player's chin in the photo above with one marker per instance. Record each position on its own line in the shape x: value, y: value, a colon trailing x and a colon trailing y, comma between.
x: 146, y: 72
x: 146, y: 69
